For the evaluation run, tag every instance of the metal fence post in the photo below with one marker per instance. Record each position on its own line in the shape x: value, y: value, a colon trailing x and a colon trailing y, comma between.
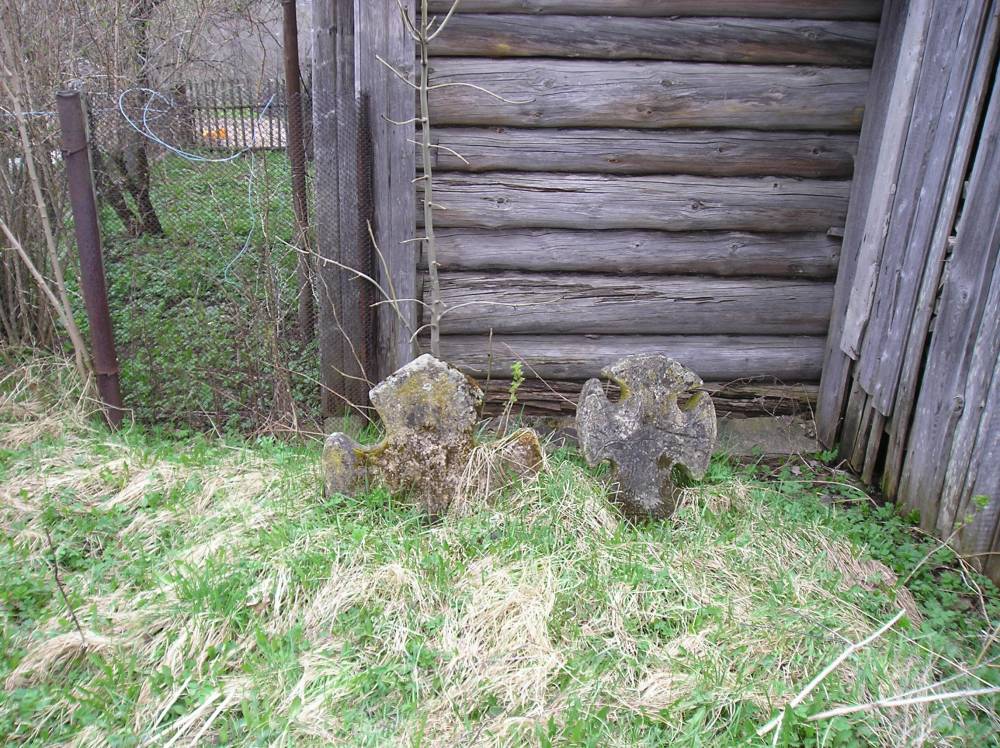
x: 80, y: 178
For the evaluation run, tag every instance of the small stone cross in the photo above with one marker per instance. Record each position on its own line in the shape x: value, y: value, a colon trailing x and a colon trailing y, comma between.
x: 658, y: 437
x: 429, y: 410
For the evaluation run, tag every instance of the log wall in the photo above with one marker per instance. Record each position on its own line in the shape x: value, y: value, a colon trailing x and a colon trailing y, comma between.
x: 657, y: 175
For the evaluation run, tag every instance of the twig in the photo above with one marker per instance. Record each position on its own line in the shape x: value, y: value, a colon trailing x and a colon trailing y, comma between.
x: 398, y: 73
x: 498, y: 97
x: 927, y: 557
x: 437, y: 305
x: 402, y: 122
x: 801, y: 696
x: 452, y: 151
x: 533, y: 372
x: 897, y: 701
x: 992, y: 637
x: 444, y: 22
x: 62, y: 590
x: 407, y: 21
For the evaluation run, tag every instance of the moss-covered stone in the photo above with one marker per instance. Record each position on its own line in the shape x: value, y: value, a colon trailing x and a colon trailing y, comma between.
x: 429, y: 410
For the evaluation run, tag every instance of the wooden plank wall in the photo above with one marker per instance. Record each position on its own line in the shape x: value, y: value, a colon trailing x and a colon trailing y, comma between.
x: 911, y: 382
x: 364, y: 170
x: 656, y: 175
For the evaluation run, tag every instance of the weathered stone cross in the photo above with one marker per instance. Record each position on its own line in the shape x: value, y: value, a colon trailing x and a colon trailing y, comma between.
x: 658, y: 437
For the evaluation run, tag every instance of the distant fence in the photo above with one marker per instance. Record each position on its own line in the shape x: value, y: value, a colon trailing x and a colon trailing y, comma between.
x: 233, y: 114
x: 151, y: 151
x: 212, y: 114
x: 911, y: 381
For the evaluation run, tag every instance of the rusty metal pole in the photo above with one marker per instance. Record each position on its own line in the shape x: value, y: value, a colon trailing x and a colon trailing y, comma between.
x: 76, y: 156
x: 297, y: 159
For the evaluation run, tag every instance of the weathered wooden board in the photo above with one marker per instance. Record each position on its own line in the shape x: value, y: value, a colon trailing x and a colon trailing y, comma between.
x: 724, y: 153
x: 577, y: 357
x: 982, y: 535
x: 873, y: 448
x: 837, y: 366
x: 724, y: 253
x: 988, y: 484
x: 381, y: 32
x: 584, y: 93
x: 559, y: 398
x: 962, y: 306
x: 911, y: 366
x: 858, y: 9
x: 601, y: 304
x: 672, y: 203
x: 884, y: 188
x: 854, y: 415
x: 859, y: 443
x: 923, y: 193
x: 970, y: 470
x: 741, y: 40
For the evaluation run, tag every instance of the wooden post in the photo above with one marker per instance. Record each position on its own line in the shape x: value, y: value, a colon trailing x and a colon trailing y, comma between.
x: 350, y: 314
x: 343, y: 315
x: 331, y: 343
x: 346, y: 316
x: 297, y: 159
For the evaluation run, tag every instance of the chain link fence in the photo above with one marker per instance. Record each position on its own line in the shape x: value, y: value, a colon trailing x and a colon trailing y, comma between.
x: 201, y: 246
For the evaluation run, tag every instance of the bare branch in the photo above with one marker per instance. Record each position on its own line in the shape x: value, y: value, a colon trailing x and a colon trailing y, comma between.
x: 443, y: 23
x: 454, y: 84
x: 398, y: 74
x: 801, y: 696
x: 62, y: 590
x: 897, y: 702
x: 408, y: 22
x: 411, y: 121
x: 452, y: 151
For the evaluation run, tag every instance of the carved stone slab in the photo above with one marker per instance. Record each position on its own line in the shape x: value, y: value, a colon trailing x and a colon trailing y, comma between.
x: 658, y: 437
x: 428, y: 409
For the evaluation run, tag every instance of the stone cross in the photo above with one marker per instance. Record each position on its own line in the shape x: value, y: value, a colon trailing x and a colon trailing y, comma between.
x: 428, y: 409
x: 658, y: 437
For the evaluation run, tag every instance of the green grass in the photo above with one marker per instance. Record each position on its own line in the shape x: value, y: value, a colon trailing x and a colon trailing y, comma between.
x: 225, y: 600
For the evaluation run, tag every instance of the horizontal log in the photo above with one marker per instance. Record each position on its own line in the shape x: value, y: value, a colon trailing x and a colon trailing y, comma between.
x: 559, y: 398
x: 584, y: 93
x: 858, y: 9
x: 722, y: 153
x: 510, y: 303
x: 740, y: 40
x: 716, y: 358
x: 671, y: 203
x: 723, y: 253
